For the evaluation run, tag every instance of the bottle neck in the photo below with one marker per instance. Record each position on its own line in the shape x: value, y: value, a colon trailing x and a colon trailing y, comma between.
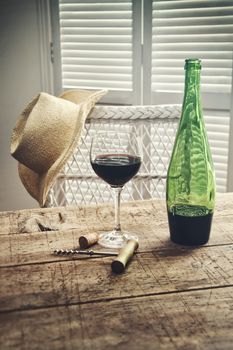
x: 192, y: 87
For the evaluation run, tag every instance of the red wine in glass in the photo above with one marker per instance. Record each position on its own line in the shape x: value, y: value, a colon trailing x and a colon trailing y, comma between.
x: 116, y: 169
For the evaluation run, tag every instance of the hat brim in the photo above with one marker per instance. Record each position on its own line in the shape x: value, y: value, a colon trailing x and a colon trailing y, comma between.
x: 30, y: 180
x: 77, y: 97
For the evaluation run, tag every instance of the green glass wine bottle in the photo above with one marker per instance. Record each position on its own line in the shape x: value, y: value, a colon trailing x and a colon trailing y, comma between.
x: 190, y: 191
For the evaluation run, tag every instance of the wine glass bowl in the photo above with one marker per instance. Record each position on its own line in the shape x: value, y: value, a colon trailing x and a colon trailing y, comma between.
x: 116, y: 158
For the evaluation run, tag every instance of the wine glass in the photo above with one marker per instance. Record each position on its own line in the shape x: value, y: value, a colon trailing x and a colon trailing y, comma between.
x: 116, y: 157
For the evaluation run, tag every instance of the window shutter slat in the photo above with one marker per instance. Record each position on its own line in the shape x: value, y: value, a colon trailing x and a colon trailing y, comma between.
x: 183, y: 4
x: 85, y: 68
x: 179, y: 71
x: 95, y: 23
x: 103, y: 6
x: 96, y: 46
x: 98, y: 31
x: 97, y: 84
x: 195, y: 12
x: 215, y: 38
x: 91, y: 2
x: 198, y: 21
x: 205, y: 30
x: 68, y: 61
x: 95, y: 15
x: 97, y: 39
x: 209, y: 63
x: 96, y: 54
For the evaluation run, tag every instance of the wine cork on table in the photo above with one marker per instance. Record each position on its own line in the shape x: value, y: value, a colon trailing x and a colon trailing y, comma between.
x: 88, y: 240
x: 125, y: 254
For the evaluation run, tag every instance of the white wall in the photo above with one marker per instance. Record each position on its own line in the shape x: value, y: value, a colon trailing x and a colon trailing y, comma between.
x: 20, y: 79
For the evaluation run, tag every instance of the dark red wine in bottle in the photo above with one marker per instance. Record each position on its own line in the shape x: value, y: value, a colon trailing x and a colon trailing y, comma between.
x: 190, y: 230
x: 116, y: 169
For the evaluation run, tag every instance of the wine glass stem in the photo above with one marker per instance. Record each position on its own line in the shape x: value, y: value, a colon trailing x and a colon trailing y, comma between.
x: 117, y: 208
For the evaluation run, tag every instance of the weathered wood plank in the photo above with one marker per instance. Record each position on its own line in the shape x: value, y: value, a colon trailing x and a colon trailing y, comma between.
x: 102, y: 215
x: 38, y: 247
x: 147, y: 218
x: 200, y: 320
x: 78, y: 281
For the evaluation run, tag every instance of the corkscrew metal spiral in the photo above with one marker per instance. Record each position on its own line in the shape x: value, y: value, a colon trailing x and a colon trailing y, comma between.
x: 83, y: 252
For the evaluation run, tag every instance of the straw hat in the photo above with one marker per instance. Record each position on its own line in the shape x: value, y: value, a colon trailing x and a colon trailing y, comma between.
x: 45, y: 136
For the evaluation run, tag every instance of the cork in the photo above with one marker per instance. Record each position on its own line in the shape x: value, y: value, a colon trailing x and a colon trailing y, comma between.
x: 119, y: 264
x: 88, y: 240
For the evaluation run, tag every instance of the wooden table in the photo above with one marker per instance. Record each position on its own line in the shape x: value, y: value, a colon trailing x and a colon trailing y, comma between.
x: 170, y: 297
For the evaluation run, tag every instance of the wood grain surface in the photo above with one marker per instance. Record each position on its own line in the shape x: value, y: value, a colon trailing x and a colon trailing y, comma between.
x: 169, y: 297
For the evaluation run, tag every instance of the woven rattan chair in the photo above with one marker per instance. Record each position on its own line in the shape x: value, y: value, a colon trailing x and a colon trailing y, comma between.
x: 78, y: 184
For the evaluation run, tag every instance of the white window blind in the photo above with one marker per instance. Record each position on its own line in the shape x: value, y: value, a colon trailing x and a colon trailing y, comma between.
x: 96, y: 46
x: 187, y: 28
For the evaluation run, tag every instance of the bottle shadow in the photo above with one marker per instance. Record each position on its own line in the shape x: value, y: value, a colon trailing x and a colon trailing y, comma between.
x: 168, y: 248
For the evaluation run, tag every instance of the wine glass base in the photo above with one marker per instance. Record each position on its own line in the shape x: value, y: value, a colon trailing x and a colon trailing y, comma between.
x: 115, y: 239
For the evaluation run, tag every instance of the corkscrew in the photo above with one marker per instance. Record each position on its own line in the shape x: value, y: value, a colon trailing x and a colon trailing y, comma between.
x: 119, y: 263
x: 83, y: 252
